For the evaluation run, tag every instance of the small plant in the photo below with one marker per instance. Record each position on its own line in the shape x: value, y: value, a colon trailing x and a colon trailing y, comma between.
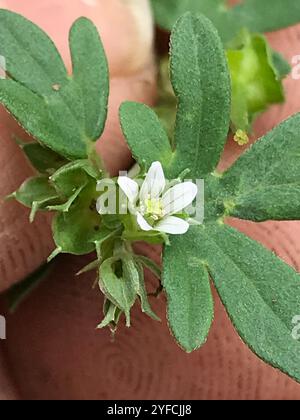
x: 66, y: 114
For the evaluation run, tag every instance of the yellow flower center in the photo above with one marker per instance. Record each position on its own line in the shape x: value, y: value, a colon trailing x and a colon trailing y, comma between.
x: 153, y: 208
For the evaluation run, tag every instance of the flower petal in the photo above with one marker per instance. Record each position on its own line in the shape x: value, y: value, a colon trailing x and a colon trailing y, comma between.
x: 173, y: 225
x: 154, y: 183
x: 179, y: 197
x: 129, y: 187
x: 142, y: 222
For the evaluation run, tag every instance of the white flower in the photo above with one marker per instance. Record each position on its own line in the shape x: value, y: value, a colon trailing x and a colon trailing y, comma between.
x: 155, y: 209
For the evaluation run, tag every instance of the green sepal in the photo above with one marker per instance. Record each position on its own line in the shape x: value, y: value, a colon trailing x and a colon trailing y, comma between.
x: 142, y: 292
x: 36, y: 193
x: 73, y: 176
x: 111, y: 315
x: 149, y: 264
x: 76, y: 231
x: 120, y: 290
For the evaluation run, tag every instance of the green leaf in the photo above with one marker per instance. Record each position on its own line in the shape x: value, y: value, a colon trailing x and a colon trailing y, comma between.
x: 47, y: 119
x: 166, y: 105
x: 255, y: 15
x: 266, y: 15
x: 145, y: 136
x: 201, y: 82
x: 260, y: 292
x: 264, y: 183
x: 200, y: 76
x: 57, y: 109
x: 166, y: 12
x: 90, y: 73
x: 42, y: 159
x: 121, y: 290
x: 255, y: 80
x: 31, y: 58
x: 190, y: 302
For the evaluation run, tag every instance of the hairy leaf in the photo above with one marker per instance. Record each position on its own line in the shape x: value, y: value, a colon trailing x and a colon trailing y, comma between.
x: 260, y: 292
x: 264, y: 183
x: 168, y: 11
x: 266, y: 15
x: 186, y: 282
x: 255, y: 15
x: 145, y: 136
x: 201, y: 82
x: 64, y: 113
x: 90, y: 73
x: 200, y: 77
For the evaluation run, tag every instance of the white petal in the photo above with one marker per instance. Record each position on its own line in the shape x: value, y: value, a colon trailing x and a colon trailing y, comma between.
x: 179, y: 197
x: 154, y: 183
x: 172, y: 225
x: 143, y: 224
x: 129, y: 187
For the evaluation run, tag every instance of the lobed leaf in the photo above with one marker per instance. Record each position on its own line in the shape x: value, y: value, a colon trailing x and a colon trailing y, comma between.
x: 63, y: 112
x: 31, y: 58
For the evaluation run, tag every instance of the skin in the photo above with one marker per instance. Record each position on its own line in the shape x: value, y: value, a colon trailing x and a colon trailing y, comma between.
x: 52, y: 350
